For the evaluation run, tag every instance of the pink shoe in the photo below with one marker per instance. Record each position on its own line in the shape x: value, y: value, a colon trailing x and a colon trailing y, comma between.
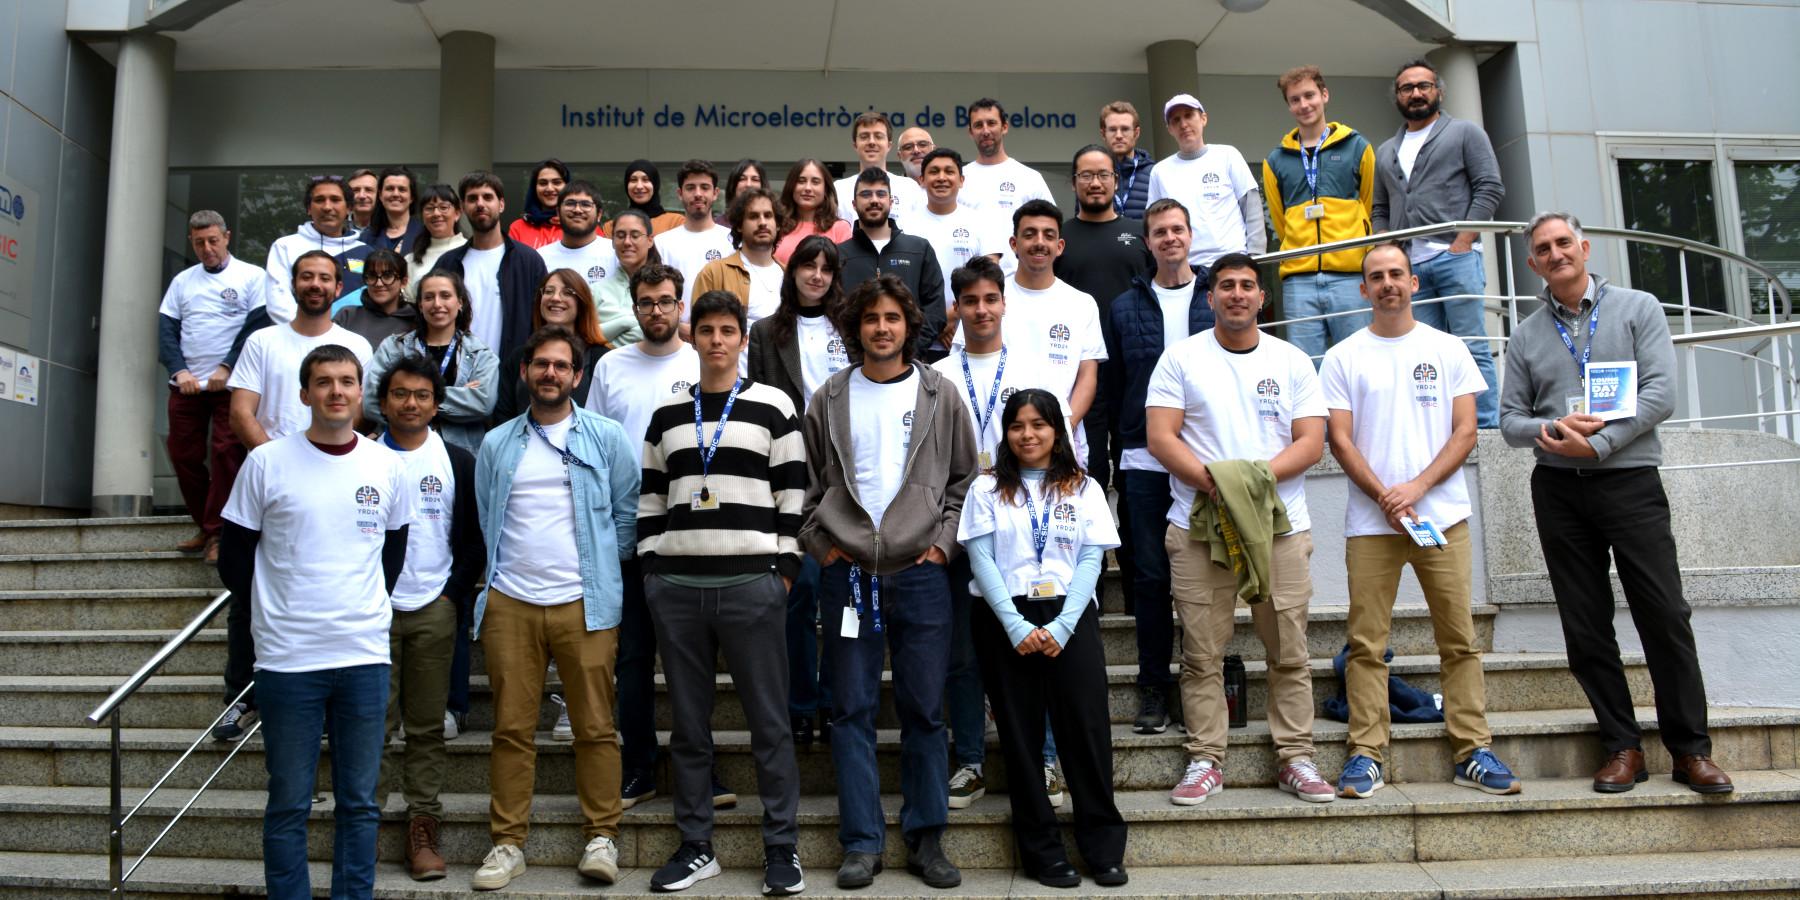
x: 1301, y: 778
x: 1202, y: 780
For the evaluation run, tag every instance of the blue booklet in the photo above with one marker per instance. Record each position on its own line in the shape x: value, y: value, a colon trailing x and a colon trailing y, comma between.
x: 1611, y: 389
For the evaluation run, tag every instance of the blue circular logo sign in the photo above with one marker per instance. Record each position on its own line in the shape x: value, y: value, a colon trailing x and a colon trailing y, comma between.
x: 18, y: 208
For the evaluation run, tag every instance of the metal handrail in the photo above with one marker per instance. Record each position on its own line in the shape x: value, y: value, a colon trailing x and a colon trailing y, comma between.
x: 130, y: 685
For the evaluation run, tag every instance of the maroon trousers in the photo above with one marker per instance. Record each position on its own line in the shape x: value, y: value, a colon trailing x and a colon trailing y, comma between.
x: 190, y: 417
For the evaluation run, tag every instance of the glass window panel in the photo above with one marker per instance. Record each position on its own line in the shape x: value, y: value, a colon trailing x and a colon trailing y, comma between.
x: 1769, y: 209
x: 1673, y: 197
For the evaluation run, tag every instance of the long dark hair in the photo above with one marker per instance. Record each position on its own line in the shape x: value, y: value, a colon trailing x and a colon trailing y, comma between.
x: 464, y: 315
x: 1064, y: 475
x: 378, y: 220
x: 823, y: 217
x: 814, y: 246
x: 737, y: 171
x: 442, y: 192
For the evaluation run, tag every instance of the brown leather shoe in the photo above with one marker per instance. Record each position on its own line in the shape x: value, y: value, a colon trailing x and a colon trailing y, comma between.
x: 422, y: 858
x: 193, y: 544
x: 211, y: 555
x: 1701, y: 775
x: 1623, y: 771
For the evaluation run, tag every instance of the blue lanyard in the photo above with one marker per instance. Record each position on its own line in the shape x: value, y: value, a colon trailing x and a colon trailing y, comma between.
x: 856, y: 596
x: 1124, y: 194
x: 1587, y: 352
x: 706, y: 450
x: 1040, y: 530
x: 983, y: 418
x: 1309, y: 164
x: 567, y: 456
x: 449, y: 354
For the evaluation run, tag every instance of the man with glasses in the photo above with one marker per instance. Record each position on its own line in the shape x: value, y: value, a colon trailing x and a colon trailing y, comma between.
x: 558, y: 488
x: 873, y: 136
x: 327, y: 228
x: 1439, y: 169
x: 584, y: 252
x: 1120, y: 129
x: 878, y: 247
x: 915, y: 143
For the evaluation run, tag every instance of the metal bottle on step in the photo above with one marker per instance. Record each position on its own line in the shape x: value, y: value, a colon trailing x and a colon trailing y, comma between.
x: 1237, y: 692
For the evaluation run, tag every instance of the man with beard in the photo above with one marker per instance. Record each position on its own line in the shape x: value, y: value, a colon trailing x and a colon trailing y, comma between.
x: 1440, y: 169
x: 1120, y: 129
x: 582, y: 250
x: 878, y: 247
x: 699, y: 241
x: 996, y: 182
x: 751, y: 273
x: 558, y: 488
x: 265, y: 406
x: 502, y: 274
x: 873, y: 136
x: 327, y: 228
x: 915, y: 143
x: 1050, y: 318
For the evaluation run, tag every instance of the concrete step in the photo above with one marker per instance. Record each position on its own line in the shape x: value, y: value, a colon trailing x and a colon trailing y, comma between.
x: 94, y: 535
x: 184, y: 699
x: 105, y: 609
x: 1741, y: 874
x: 105, y: 571
x: 1432, y: 822
x: 1537, y: 745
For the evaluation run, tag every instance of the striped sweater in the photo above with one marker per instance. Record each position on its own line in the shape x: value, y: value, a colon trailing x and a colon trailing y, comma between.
x: 758, y: 477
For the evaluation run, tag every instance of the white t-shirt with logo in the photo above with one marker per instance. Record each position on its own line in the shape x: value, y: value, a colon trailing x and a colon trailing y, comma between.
x: 822, y: 354
x: 1023, y: 370
x: 907, y: 197
x: 212, y: 307
x: 957, y: 238
x: 1237, y: 406
x: 629, y: 384
x: 1174, y: 303
x: 1210, y: 186
x: 538, y: 561
x: 1060, y: 326
x: 1399, y: 393
x: 689, y: 252
x: 765, y: 292
x: 481, y: 274
x: 881, y: 423
x: 593, y: 262
x: 270, y: 366
x: 1082, y: 520
x: 428, y: 555
x: 318, y: 599
x: 1002, y: 187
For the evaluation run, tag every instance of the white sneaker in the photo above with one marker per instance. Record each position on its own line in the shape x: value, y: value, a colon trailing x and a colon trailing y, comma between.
x: 503, y: 863
x: 450, y: 729
x: 600, y: 860
x: 563, y: 731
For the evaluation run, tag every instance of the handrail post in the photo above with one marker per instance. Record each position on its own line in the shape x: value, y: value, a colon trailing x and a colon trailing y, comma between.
x: 115, y: 842
x: 1687, y: 327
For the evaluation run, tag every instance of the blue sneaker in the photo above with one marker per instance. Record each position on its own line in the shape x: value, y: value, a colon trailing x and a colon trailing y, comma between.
x: 1484, y: 771
x: 1361, y: 777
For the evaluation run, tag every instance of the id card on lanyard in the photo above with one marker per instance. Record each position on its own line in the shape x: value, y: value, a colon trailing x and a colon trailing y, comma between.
x: 1577, y: 403
x: 982, y: 419
x: 1042, y: 587
x: 1309, y: 166
x: 704, y: 499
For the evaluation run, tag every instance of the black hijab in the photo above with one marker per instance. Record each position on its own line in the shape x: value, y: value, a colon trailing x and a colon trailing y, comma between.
x: 535, y: 212
x: 653, y: 208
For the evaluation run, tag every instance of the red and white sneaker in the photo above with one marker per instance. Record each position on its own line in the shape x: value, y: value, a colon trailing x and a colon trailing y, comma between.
x: 1301, y: 778
x: 1202, y: 780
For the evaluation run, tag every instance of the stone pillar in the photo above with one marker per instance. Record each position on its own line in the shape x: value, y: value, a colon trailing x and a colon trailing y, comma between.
x: 465, y: 104
x: 136, y: 204
x: 1174, y: 69
x: 1462, y: 100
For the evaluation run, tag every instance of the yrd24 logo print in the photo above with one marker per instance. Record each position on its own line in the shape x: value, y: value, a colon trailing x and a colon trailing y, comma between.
x: 368, y: 509
x: 1268, y: 400
x: 1425, y: 385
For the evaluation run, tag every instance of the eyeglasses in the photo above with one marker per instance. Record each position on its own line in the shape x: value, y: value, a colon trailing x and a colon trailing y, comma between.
x: 384, y: 279
x: 550, y: 365
x: 1416, y: 87
x: 910, y: 146
x: 1093, y: 177
x: 578, y: 205
x: 663, y: 305
x: 551, y: 290
x: 423, y: 395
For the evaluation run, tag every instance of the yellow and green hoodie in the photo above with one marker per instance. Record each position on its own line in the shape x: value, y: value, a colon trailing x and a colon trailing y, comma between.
x: 1346, y: 187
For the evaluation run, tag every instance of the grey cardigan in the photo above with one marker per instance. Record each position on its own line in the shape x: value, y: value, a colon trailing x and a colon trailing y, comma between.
x: 1541, y: 376
x: 939, y: 467
x: 1455, y: 177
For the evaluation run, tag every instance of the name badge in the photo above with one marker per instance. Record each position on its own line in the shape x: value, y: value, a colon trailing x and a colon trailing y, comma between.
x: 1315, y: 211
x: 1576, y: 404
x: 700, y: 503
x: 851, y: 625
x: 1045, y: 589
x: 985, y: 460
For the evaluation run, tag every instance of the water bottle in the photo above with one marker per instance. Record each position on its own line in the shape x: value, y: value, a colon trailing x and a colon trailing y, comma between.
x: 1237, y: 692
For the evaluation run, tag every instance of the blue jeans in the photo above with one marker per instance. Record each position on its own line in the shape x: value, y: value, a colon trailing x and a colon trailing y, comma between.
x: 297, y: 707
x: 1147, y: 512
x: 1315, y: 295
x: 1447, y: 275
x: 962, y: 688
x: 809, y: 670
x: 915, y: 616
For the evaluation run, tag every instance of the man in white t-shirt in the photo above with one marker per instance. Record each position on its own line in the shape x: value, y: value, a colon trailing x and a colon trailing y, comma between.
x: 915, y: 143
x: 503, y: 275
x: 996, y: 182
x: 266, y: 405
x: 700, y: 240
x: 316, y: 538
x: 1213, y: 182
x: 583, y: 251
x: 958, y: 233
x: 1059, y: 323
x: 873, y: 137
x: 751, y: 272
x: 629, y: 384
x: 1247, y: 403
x: 1402, y: 400
x: 204, y: 310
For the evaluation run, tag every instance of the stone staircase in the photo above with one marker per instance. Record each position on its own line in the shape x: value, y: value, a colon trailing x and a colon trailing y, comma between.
x: 83, y: 602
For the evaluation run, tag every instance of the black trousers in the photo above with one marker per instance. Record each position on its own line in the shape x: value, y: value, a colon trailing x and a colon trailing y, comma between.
x: 1581, y: 516
x: 240, y: 648
x: 1072, y: 689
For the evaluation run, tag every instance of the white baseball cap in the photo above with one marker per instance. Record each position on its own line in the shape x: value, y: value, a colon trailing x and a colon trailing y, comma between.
x: 1180, y: 100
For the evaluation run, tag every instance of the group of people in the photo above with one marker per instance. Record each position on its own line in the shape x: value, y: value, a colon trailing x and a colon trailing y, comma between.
x: 821, y: 448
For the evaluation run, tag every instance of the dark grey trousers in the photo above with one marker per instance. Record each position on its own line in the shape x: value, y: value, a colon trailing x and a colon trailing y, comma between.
x: 749, y: 623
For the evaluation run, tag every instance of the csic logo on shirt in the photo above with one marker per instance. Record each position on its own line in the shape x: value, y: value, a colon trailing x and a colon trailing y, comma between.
x: 1268, y: 400
x: 1063, y: 517
x: 596, y: 273
x: 229, y: 295
x: 1425, y: 384
x: 712, y: 255
x: 431, y: 497
x: 368, y: 509
x: 1059, y: 342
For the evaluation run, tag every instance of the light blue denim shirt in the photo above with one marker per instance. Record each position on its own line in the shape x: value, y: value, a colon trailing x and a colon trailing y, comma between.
x: 606, y: 500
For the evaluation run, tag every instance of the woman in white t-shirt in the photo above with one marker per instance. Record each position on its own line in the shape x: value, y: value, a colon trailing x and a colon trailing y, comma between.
x: 1036, y: 529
